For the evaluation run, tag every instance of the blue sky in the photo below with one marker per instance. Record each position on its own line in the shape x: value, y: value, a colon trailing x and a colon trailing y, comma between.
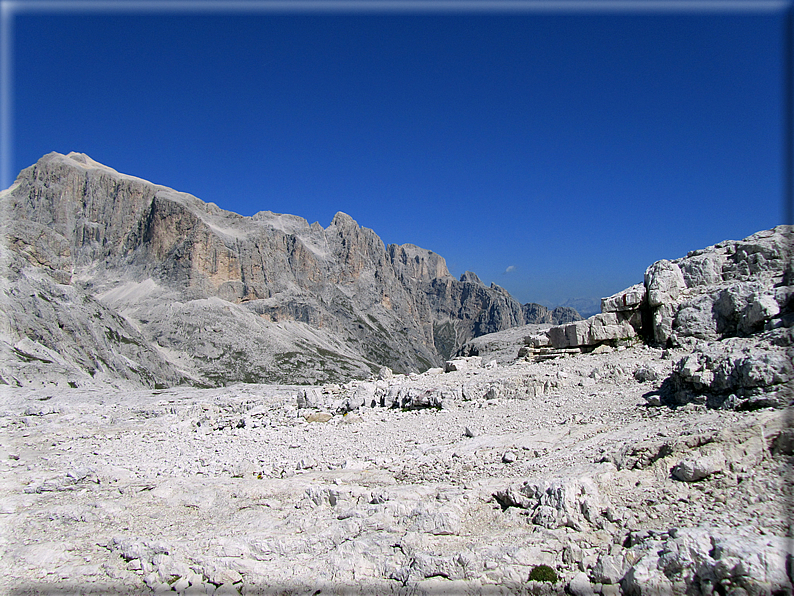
x: 556, y: 153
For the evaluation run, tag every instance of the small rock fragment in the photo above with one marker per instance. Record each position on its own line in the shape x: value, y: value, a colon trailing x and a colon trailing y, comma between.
x: 306, y: 463
x: 319, y: 417
x: 692, y: 470
x: 580, y: 585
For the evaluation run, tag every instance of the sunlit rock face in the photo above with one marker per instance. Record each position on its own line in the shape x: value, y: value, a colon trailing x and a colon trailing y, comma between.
x: 221, y: 297
x: 730, y: 305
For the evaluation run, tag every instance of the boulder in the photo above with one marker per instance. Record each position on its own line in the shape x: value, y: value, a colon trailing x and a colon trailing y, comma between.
x: 537, y: 340
x: 664, y: 282
x: 696, y: 318
x: 575, y: 503
x: 663, y: 317
x: 462, y: 364
x: 362, y: 395
x: 699, y: 559
x: 589, y: 332
x: 645, y: 579
x: 609, y: 569
x: 410, y: 397
x: 760, y: 308
x: 692, y: 470
x: 732, y: 302
x: 572, y: 334
x: 310, y: 397
x: 733, y: 373
x: 607, y: 326
x: 732, y: 288
x: 319, y: 417
x: 629, y: 299
x: 702, y: 269
x: 580, y: 585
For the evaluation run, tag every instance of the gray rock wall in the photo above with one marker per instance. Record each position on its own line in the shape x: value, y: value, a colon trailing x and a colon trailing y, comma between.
x: 289, y: 291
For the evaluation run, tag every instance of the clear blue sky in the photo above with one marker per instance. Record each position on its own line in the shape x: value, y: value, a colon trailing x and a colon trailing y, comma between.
x: 556, y: 153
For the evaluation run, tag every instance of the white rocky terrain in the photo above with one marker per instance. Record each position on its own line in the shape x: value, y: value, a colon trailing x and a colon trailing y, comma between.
x: 644, y: 451
x: 477, y: 477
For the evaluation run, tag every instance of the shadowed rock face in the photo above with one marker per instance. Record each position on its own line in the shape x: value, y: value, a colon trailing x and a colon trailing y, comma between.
x: 538, y: 314
x: 222, y: 297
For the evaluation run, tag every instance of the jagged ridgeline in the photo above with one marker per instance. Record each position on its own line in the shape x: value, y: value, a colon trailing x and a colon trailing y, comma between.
x: 110, y: 278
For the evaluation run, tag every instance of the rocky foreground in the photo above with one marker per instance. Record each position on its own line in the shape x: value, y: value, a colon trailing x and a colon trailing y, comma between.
x: 478, y: 476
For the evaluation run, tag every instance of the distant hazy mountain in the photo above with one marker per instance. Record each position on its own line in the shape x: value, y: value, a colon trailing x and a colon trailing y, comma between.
x: 112, y: 278
x: 537, y: 313
x: 586, y: 307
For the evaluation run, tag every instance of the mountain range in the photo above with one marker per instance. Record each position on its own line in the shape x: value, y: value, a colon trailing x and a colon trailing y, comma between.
x: 109, y: 278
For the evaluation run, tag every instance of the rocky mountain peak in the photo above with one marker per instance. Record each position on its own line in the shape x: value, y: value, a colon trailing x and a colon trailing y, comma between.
x: 342, y: 220
x: 223, y: 297
x: 472, y: 278
x: 417, y: 264
x: 499, y: 289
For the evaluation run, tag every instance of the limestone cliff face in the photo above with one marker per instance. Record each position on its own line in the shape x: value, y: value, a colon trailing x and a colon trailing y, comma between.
x: 284, y: 298
x: 459, y: 309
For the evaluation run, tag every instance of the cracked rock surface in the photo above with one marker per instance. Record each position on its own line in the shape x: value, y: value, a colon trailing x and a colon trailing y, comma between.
x: 238, y: 490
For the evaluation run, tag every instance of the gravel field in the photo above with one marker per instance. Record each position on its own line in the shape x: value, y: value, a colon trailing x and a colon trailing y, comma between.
x: 237, y: 490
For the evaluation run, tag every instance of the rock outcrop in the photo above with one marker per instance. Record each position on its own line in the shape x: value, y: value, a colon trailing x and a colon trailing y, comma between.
x: 218, y: 297
x: 731, y: 306
x: 734, y: 288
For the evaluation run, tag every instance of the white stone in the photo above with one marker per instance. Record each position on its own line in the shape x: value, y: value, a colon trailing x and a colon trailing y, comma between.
x: 664, y: 282
x: 692, y: 470
x: 463, y: 364
x: 628, y: 299
x: 609, y: 569
x: 310, y: 397
x: 761, y: 308
x: 580, y: 585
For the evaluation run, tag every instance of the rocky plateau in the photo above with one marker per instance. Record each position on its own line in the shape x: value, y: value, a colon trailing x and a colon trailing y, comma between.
x: 443, y: 439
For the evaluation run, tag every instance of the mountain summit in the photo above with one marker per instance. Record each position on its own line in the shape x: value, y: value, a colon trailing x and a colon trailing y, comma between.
x: 112, y: 277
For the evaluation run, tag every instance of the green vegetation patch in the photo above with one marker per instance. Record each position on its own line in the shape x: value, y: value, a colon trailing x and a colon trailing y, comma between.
x: 543, y: 573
